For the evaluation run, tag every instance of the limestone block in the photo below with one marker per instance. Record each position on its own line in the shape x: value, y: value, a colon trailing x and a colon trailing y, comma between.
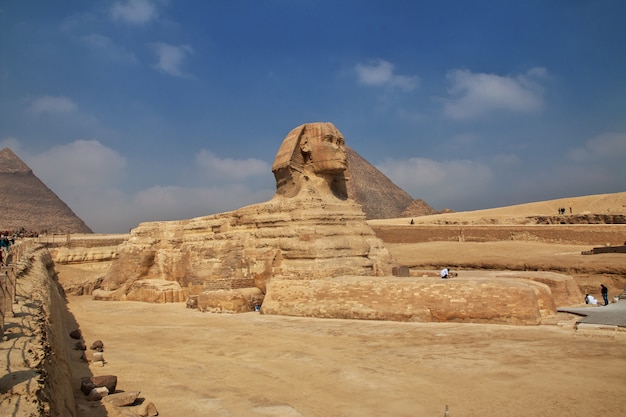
x: 147, y: 409
x: 401, y: 271
x: 97, y: 345
x: 97, y: 393
x: 93, y: 356
x: 156, y: 291
x: 122, y: 399
x: 230, y: 301
x: 564, y: 288
x: 104, y: 295
x: 68, y: 255
x: 476, y: 300
x: 89, y: 383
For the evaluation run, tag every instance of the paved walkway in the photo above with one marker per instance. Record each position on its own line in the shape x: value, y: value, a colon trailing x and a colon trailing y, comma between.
x: 612, y: 315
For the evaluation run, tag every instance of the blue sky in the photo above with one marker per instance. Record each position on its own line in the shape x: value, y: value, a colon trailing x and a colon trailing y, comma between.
x: 142, y: 110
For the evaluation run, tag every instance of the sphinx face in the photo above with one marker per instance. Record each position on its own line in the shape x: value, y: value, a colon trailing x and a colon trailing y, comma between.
x: 326, y: 152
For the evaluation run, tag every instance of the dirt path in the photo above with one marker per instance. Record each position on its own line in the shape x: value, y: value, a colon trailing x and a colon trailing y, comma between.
x: 192, y: 363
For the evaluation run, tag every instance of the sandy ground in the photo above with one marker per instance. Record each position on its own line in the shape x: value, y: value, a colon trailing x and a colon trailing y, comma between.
x: 614, y: 203
x: 193, y: 363
x: 200, y: 364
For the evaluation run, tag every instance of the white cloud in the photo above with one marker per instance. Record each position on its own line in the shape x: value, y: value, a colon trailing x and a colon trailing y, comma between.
x: 446, y: 182
x: 538, y: 72
x: 507, y: 160
x: 80, y: 165
x: 91, y: 179
x: 229, y: 169
x: 381, y: 74
x: 472, y: 95
x: 86, y: 175
x: 52, y: 105
x: 103, y: 45
x: 176, y: 202
x: 602, y: 147
x: 134, y: 11
x: 170, y: 58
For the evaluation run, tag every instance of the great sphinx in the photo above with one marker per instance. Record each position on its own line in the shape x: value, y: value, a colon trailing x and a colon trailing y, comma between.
x: 309, y: 230
x: 309, y: 252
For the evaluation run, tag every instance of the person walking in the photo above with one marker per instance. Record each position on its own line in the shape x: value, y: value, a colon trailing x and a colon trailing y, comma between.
x: 605, y: 294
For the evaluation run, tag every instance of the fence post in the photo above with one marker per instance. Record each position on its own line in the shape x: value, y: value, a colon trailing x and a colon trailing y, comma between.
x: 13, y: 281
x: 7, y: 290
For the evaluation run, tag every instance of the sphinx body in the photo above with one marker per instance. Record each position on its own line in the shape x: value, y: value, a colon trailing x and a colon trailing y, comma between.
x: 309, y: 230
x: 309, y: 252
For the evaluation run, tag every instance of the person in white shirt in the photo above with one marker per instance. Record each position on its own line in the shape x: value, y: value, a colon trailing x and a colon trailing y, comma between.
x: 444, y: 273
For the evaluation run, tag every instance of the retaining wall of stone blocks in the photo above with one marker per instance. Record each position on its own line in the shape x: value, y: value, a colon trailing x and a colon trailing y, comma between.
x: 472, y: 300
x: 586, y: 234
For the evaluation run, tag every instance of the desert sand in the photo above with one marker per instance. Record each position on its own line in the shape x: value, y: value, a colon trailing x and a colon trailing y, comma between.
x: 613, y: 204
x: 200, y: 364
x: 193, y: 363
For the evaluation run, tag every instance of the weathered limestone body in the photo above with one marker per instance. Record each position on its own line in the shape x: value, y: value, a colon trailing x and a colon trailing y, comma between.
x: 309, y: 230
x: 300, y: 239
x: 309, y: 252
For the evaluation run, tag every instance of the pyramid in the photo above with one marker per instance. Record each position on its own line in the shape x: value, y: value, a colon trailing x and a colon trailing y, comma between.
x: 26, y: 202
x: 379, y: 197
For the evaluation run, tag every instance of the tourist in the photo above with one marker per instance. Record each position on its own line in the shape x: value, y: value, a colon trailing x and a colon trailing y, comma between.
x: 444, y: 273
x: 590, y: 299
x: 605, y: 294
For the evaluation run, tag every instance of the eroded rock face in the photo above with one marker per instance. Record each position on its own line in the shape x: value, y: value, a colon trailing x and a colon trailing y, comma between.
x: 472, y: 300
x: 310, y: 230
x: 300, y: 239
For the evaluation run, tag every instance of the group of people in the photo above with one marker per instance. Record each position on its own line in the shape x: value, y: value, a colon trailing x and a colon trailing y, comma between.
x: 5, y: 244
x: 562, y: 210
x: 19, y: 233
x: 590, y: 299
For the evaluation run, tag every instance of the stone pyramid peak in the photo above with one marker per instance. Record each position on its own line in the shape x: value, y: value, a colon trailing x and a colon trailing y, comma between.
x: 11, y: 163
x: 379, y: 197
x: 26, y: 202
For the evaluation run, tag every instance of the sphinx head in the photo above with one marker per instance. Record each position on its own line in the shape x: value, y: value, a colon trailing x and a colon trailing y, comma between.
x: 312, y: 154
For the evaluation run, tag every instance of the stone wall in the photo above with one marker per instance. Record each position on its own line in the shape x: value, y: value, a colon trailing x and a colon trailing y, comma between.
x: 39, y: 379
x: 83, y: 254
x: 564, y: 289
x: 470, y: 300
x: 574, y: 234
x: 229, y: 301
x: 58, y: 387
